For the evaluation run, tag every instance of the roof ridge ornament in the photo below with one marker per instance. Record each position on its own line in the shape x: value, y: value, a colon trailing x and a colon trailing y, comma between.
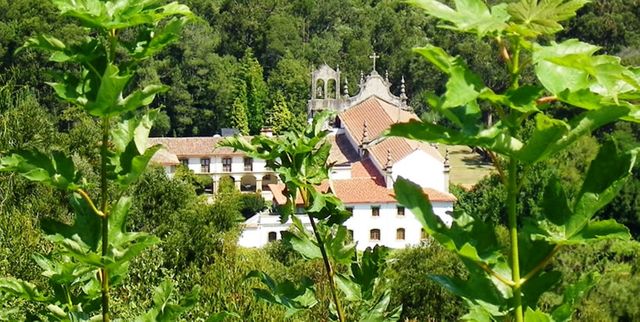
x: 345, y: 90
x: 388, y: 164
x: 403, y: 94
x: 365, y: 132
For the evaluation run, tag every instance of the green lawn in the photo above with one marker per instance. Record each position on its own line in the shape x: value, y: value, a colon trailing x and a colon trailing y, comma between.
x: 467, y: 167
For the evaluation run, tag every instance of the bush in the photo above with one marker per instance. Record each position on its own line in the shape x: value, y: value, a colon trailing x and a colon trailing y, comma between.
x: 615, y: 297
x: 252, y: 203
x: 422, y: 298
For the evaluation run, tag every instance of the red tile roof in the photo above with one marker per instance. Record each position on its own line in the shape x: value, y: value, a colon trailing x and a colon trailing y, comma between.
x: 367, y: 191
x: 341, y: 150
x: 360, y: 190
x: 379, y: 116
x: 194, y: 146
x: 164, y: 157
x: 277, y: 189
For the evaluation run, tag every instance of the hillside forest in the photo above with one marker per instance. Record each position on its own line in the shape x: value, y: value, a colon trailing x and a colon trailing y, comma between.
x: 246, y: 64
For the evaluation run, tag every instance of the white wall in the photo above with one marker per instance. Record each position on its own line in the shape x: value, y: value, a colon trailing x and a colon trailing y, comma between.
x: 237, y: 164
x: 340, y: 173
x: 421, y: 168
x: 257, y: 228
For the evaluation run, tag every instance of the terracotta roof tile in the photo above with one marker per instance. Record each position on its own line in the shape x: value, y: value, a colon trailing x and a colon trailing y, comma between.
x: 164, y: 157
x: 277, y: 189
x: 363, y: 190
x: 194, y: 146
x: 367, y: 190
x: 341, y: 150
x: 379, y: 116
x: 373, y: 113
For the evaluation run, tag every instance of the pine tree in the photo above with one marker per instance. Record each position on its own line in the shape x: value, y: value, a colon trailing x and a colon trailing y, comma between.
x: 281, y: 119
x: 238, y: 113
x: 251, y: 73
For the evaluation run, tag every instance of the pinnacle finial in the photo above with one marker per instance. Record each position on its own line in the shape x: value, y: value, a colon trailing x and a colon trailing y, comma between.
x: 361, y: 77
x: 365, y: 132
x: 446, y: 157
x: 386, y: 75
x: 403, y: 93
x: 345, y: 89
x: 388, y: 165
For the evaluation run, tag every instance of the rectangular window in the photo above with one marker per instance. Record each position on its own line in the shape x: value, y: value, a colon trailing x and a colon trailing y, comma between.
x: 375, y: 211
x: 400, y: 234
x: 374, y: 234
x: 226, y: 164
x: 248, y: 164
x: 184, y: 162
x: 400, y: 211
x: 205, y: 165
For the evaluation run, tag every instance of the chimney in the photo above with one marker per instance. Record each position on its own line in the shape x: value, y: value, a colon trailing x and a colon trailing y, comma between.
x: 266, y: 131
x: 447, y: 169
x: 388, y: 171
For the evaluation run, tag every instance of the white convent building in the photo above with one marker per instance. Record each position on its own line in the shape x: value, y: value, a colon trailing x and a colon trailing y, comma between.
x: 365, y: 165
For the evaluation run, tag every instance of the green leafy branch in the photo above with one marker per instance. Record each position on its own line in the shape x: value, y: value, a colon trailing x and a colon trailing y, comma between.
x: 95, y: 250
x: 570, y: 73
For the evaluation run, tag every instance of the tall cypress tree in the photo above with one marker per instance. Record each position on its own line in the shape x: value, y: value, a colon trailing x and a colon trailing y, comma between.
x: 280, y: 119
x: 256, y: 91
x: 238, y: 113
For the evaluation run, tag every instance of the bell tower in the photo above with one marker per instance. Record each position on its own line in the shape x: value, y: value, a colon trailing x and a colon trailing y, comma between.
x: 325, y: 90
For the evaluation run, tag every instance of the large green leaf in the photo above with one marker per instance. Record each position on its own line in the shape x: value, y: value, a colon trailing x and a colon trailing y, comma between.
x: 531, y: 315
x: 572, y: 65
x: 379, y: 310
x: 496, y: 138
x: 293, y: 298
x: 124, y: 245
x: 572, y: 296
x: 535, y: 17
x: 152, y: 41
x: 55, y: 169
x: 121, y: 14
x: 556, y: 78
x: 470, y: 238
x: 334, y: 238
x: 458, y: 103
x: 85, y: 224
x: 301, y: 241
x: 607, y: 174
x: 479, y: 291
x: 541, y: 143
x: 22, y: 289
x: 468, y: 16
x: 165, y: 308
x: 109, y: 94
x: 130, y: 154
x: 564, y: 224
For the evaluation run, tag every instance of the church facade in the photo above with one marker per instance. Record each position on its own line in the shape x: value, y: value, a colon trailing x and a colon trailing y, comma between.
x: 366, y: 165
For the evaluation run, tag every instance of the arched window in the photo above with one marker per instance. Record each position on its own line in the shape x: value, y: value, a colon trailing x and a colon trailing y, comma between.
x: 374, y: 234
x: 273, y: 236
x: 423, y: 234
x: 400, y: 234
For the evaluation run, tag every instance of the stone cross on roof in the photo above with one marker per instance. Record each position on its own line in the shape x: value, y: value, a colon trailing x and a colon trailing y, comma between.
x: 374, y: 57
